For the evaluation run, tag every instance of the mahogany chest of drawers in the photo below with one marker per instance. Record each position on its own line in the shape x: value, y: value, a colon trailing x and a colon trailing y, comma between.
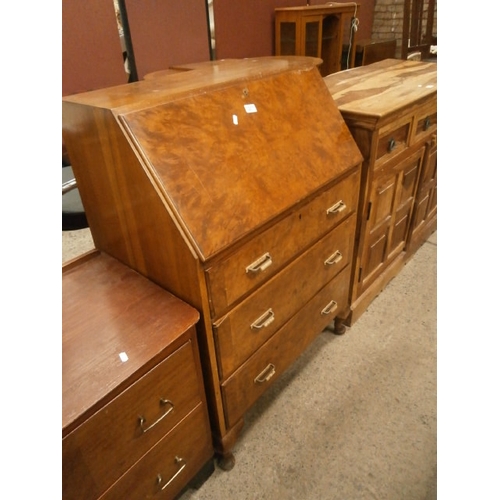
x: 234, y: 186
x: 135, y: 421
x: 390, y: 108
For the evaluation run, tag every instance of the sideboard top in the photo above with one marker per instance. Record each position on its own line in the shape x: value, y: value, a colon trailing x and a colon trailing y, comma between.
x: 382, y: 88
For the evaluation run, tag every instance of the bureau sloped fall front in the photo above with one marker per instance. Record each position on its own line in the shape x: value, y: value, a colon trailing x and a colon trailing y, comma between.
x: 235, y: 187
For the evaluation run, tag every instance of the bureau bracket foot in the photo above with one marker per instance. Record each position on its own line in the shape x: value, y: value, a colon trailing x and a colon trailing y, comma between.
x: 226, y: 462
x: 224, y: 446
x: 338, y: 327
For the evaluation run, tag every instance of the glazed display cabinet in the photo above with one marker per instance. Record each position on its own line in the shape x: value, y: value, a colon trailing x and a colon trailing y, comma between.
x: 317, y: 31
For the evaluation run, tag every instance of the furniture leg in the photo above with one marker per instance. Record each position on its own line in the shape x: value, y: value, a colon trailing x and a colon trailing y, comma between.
x: 224, y: 447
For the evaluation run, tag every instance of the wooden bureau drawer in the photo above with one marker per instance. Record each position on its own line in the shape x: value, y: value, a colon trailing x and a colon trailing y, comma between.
x: 99, y: 451
x: 245, y: 386
x: 245, y: 328
x: 392, y: 139
x: 231, y: 278
x: 175, y: 459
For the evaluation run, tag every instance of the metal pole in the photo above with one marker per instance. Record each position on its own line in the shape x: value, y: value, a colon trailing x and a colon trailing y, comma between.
x: 128, y: 42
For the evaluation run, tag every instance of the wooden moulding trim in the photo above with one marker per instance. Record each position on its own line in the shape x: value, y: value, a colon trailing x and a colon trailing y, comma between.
x: 80, y: 259
x: 210, y: 370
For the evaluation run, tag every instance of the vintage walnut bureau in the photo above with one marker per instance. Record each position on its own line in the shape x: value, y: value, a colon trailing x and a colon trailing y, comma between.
x: 390, y: 108
x: 135, y: 420
x: 234, y: 186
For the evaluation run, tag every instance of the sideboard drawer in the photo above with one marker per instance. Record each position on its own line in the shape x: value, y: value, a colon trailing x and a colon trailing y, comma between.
x: 425, y: 122
x: 245, y: 386
x: 242, y: 331
x: 392, y: 140
x: 270, y: 251
x: 169, y: 464
x: 99, y: 451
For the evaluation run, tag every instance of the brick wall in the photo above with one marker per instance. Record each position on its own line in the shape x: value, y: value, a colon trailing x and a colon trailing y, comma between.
x: 388, y: 21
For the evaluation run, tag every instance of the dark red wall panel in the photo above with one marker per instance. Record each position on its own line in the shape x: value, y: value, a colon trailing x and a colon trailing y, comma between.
x: 165, y: 33
x: 91, y: 53
x: 245, y: 28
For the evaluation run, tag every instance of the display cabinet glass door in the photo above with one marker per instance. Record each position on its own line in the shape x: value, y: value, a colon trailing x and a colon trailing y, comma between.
x: 288, y: 38
x: 313, y: 33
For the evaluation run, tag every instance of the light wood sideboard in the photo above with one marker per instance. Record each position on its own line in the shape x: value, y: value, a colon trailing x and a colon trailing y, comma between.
x: 390, y: 108
x: 134, y: 414
x: 234, y: 186
x: 317, y: 31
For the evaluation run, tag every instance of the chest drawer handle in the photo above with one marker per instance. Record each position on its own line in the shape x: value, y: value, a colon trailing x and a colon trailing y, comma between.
x: 260, y: 264
x: 265, y: 374
x: 427, y: 123
x: 330, y: 307
x: 159, y: 479
x: 391, y: 145
x: 340, y: 206
x: 265, y: 320
x: 169, y: 406
x: 333, y: 259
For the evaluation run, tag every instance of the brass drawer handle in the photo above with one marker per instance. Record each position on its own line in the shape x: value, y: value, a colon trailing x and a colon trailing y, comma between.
x: 260, y: 264
x: 391, y: 145
x: 159, y: 479
x: 265, y: 374
x: 337, y: 208
x: 265, y: 320
x: 335, y: 258
x: 164, y: 402
x: 330, y: 307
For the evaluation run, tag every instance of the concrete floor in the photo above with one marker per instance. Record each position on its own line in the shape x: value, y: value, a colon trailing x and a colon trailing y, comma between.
x: 355, y: 417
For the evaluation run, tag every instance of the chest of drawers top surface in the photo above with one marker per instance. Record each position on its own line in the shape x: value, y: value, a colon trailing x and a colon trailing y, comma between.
x: 219, y: 154
x: 116, y: 326
x: 383, y: 88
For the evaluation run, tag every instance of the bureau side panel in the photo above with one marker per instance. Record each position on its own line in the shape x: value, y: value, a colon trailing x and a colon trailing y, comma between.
x: 127, y: 216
